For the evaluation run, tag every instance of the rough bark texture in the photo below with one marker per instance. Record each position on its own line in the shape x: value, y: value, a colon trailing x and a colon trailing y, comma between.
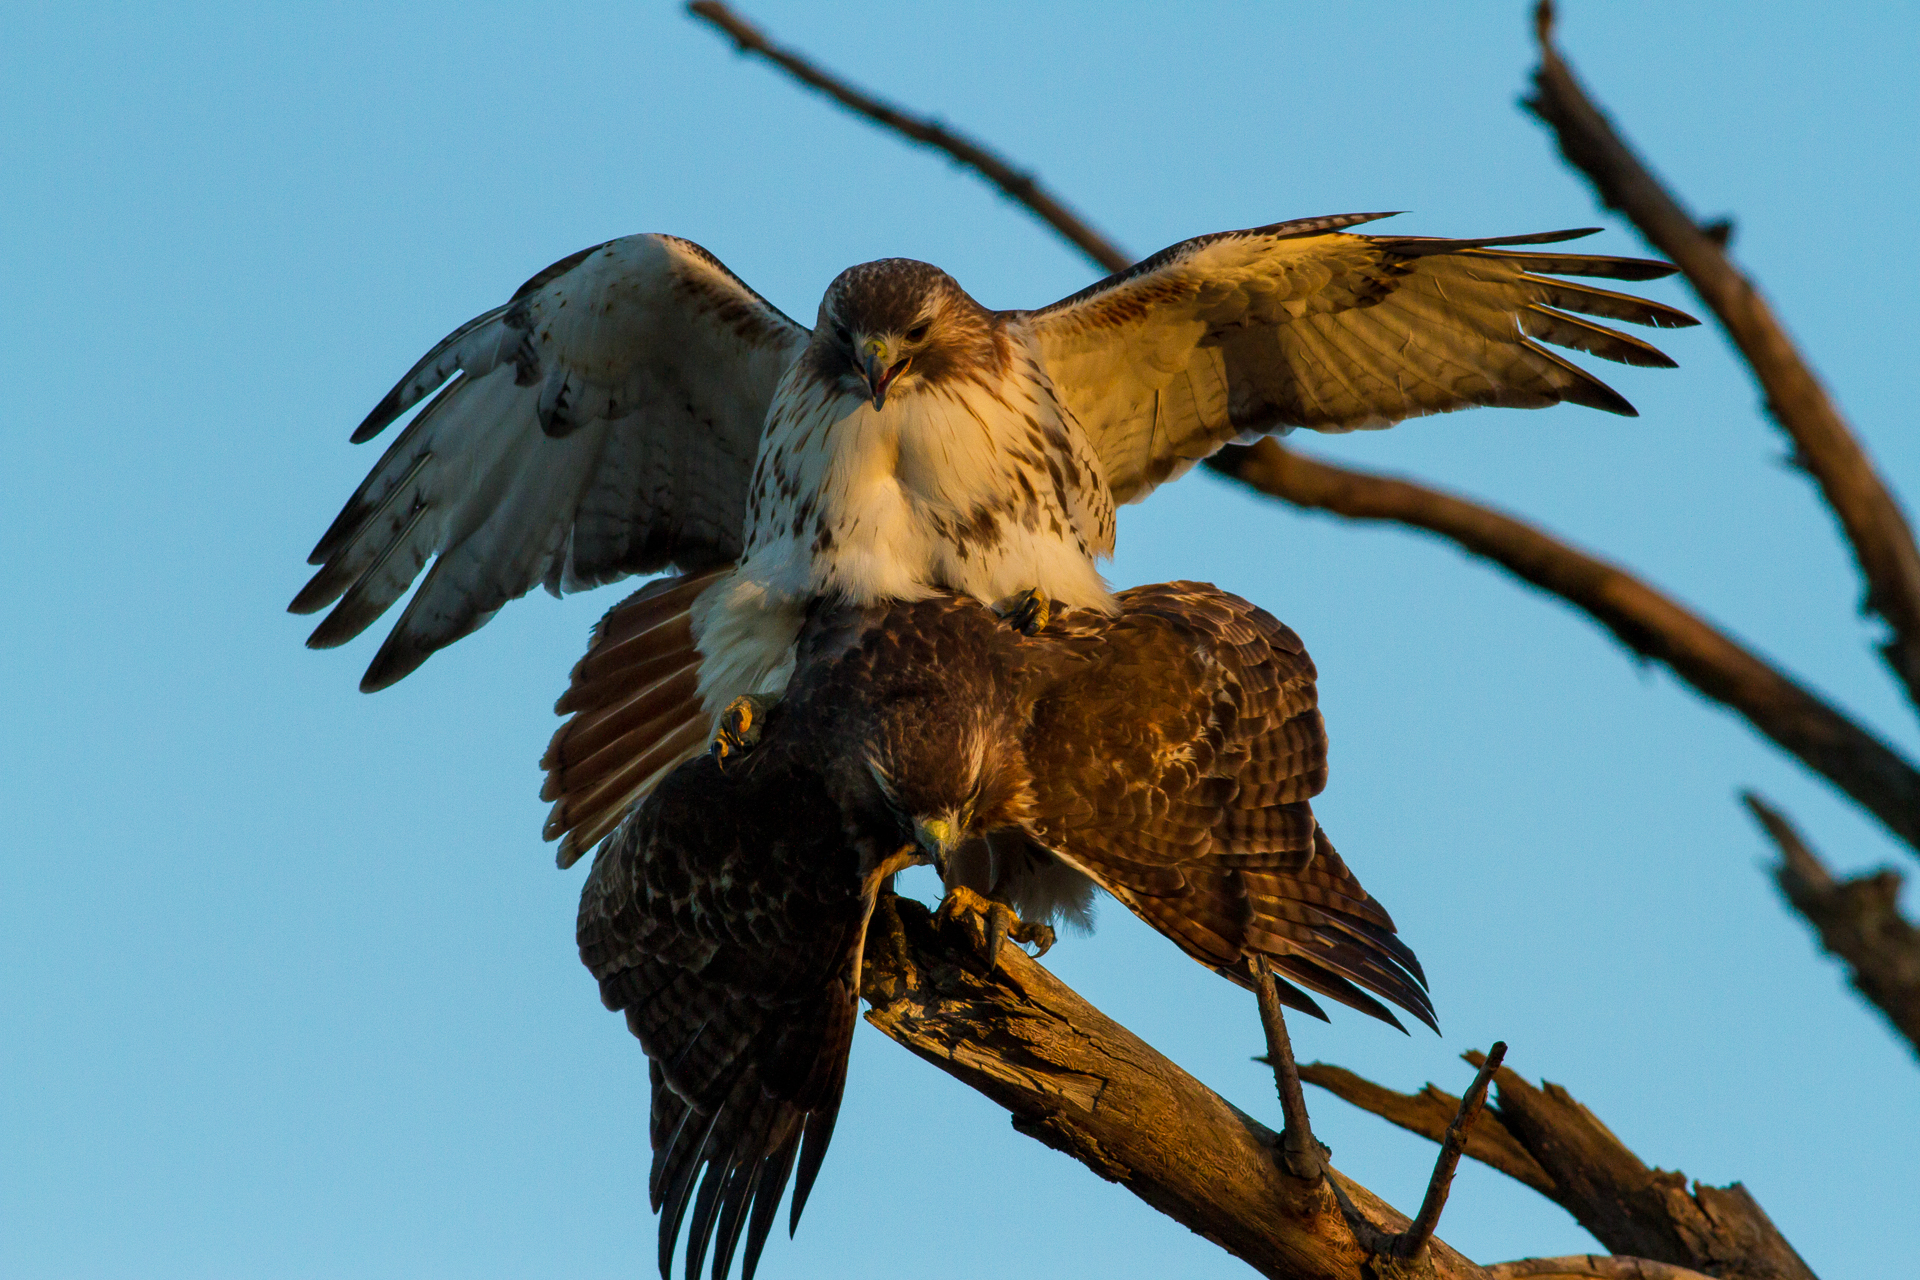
x: 1647, y: 1214
x: 1648, y: 622
x: 1857, y: 920
x: 1597, y: 1265
x: 1090, y: 1088
x: 1824, y: 445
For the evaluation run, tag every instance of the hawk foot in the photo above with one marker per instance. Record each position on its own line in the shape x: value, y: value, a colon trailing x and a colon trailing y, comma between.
x: 998, y: 921
x: 740, y: 727
x: 1027, y: 612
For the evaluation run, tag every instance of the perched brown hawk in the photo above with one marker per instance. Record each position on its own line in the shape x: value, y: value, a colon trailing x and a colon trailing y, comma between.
x: 636, y: 407
x: 1166, y: 751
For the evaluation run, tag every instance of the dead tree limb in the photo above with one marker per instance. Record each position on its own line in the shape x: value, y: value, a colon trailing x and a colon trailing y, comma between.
x: 1596, y: 1265
x: 1824, y: 445
x: 1019, y: 187
x: 1086, y: 1086
x: 1857, y: 920
x: 1643, y: 619
x: 1635, y: 1211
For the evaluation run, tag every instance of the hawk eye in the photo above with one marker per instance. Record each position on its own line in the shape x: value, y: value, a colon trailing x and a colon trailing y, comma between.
x: 840, y: 332
x: 918, y: 332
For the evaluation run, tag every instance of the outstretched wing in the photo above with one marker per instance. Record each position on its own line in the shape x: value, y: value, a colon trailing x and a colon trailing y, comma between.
x: 725, y: 919
x: 603, y: 422
x: 1298, y: 325
x: 1175, y: 766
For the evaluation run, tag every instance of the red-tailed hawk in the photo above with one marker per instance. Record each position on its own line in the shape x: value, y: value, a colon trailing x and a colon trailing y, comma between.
x: 636, y: 407
x: 1167, y: 751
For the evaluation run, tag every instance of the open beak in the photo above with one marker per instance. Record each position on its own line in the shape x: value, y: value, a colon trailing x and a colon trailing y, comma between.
x: 878, y: 372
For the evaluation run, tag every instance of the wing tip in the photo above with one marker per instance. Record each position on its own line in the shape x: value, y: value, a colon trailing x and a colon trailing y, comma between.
x: 394, y: 663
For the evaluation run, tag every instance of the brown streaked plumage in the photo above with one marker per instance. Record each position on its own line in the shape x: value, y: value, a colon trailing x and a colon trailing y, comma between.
x: 1168, y: 751
x: 636, y: 407
x: 726, y: 920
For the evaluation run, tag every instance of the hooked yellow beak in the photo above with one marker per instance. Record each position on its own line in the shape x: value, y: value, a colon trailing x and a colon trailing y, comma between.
x: 877, y: 366
x: 935, y: 837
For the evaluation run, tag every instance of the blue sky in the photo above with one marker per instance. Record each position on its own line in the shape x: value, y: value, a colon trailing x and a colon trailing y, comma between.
x: 290, y: 987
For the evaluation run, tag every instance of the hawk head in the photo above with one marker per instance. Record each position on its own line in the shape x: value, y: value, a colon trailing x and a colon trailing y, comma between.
x: 946, y: 778
x: 892, y: 327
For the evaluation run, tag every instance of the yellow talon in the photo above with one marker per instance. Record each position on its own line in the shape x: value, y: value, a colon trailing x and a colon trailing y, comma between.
x: 998, y: 923
x: 740, y: 727
x: 1028, y: 612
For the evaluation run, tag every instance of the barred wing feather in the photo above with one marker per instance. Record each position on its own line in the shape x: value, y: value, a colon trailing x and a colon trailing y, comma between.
x: 603, y: 422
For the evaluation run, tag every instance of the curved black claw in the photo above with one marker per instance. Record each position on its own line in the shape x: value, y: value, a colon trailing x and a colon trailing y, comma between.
x: 1027, y: 612
x: 740, y: 727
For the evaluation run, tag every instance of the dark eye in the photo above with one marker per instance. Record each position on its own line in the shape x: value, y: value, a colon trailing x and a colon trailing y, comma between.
x: 918, y: 332
x: 840, y: 332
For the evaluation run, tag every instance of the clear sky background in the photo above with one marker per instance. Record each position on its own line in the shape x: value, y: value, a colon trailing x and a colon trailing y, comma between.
x: 287, y: 978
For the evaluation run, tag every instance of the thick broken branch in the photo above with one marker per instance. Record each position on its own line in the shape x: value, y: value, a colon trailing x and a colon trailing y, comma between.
x: 1641, y: 1213
x: 1086, y: 1086
x: 1651, y: 624
x: 1018, y: 187
x: 1824, y: 445
x: 1599, y: 1266
x: 1858, y: 920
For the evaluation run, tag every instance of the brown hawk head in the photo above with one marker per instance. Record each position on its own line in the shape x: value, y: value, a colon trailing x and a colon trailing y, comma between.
x: 896, y: 326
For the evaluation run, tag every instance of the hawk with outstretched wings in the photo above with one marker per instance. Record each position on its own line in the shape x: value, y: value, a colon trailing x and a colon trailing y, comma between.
x: 1167, y: 751
x: 636, y: 407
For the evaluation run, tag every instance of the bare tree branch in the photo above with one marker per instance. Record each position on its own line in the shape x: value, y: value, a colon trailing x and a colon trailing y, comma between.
x: 1824, y: 445
x: 1597, y: 1265
x: 1641, y: 1213
x: 1648, y: 622
x: 1087, y: 1086
x: 1017, y: 186
x: 1858, y: 920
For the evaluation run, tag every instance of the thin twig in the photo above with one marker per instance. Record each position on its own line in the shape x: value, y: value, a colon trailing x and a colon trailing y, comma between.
x: 1858, y: 920
x: 1428, y: 1113
x: 1420, y: 1230
x: 1648, y: 622
x: 1018, y: 187
x: 1824, y: 445
x: 1302, y: 1155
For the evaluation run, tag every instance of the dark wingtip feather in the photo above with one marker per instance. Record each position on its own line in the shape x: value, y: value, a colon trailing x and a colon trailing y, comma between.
x: 813, y: 1150
x: 733, y: 1214
x: 400, y: 656
x: 343, y: 527
x: 382, y: 416
x: 322, y: 589
x: 766, y: 1203
x: 706, y: 1205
